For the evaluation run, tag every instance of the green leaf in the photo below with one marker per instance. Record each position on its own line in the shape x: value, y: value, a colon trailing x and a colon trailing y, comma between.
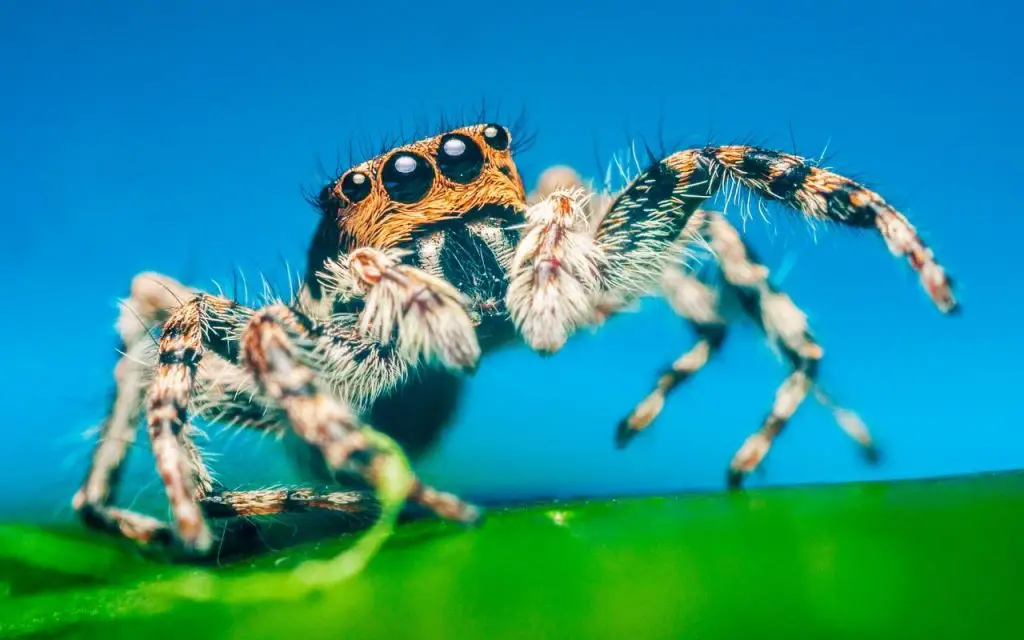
x: 938, y: 558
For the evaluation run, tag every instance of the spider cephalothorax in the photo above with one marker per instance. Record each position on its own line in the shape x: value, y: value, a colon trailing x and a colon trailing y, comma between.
x: 426, y: 257
x: 398, y: 197
x: 450, y: 203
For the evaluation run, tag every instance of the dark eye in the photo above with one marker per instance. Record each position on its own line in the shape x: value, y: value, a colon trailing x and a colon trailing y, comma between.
x: 496, y: 136
x: 459, y: 158
x: 407, y: 177
x: 355, y: 186
x: 325, y: 195
x: 326, y: 199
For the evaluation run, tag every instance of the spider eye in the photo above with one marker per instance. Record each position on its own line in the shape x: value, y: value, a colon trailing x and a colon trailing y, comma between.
x: 496, y: 136
x: 325, y: 195
x: 355, y: 186
x: 459, y: 158
x: 407, y: 177
x: 327, y: 200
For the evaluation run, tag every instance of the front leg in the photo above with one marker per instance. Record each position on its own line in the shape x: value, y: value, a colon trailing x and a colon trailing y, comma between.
x: 271, y: 351
x: 654, y: 209
x: 643, y: 227
x: 555, y: 273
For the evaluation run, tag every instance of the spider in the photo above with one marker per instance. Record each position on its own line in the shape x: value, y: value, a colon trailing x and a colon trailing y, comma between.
x: 709, y: 300
x: 426, y: 257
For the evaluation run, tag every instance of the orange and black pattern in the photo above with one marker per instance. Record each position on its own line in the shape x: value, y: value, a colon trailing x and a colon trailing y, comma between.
x: 703, y: 298
x: 385, y: 201
x: 452, y: 208
x: 651, y: 213
x: 273, y: 347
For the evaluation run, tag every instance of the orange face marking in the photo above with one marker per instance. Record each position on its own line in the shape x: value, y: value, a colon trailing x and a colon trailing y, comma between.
x: 382, y: 202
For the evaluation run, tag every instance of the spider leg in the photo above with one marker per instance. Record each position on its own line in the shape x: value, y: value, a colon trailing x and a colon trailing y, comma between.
x: 200, y: 330
x: 265, y: 502
x: 558, y: 263
x: 699, y: 304
x: 152, y: 533
x: 421, y: 316
x: 152, y: 297
x: 554, y: 278
x: 786, y: 327
x: 272, y: 351
x: 654, y: 209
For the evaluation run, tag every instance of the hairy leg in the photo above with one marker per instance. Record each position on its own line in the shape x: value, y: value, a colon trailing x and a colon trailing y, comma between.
x: 152, y: 297
x: 181, y: 467
x: 785, y: 326
x: 153, y: 533
x: 639, y: 232
x: 699, y: 304
x: 272, y: 351
x: 675, y: 187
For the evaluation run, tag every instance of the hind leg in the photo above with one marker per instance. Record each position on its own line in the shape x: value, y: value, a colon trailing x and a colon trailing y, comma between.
x: 785, y: 325
x: 699, y: 304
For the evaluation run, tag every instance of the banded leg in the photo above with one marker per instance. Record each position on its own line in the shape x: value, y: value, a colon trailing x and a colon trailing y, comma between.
x: 654, y: 209
x: 270, y: 349
x: 785, y: 325
x: 699, y: 304
x: 267, y: 502
x: 201, y: 323
x: 747, y: 280
x: 640, y: 232
x: 151, y: 298
x: 150, y: 532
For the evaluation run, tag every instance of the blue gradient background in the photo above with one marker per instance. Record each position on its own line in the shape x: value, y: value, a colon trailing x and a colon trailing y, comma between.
x: 179, y: 137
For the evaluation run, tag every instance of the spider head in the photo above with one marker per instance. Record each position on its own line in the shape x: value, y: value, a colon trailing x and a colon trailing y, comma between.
x: 389, y: 201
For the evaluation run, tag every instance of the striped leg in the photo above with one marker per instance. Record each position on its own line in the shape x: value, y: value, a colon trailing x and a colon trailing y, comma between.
x: 271, y: 351
x: 205, y: 330
x: 786, y: 326
x: 266, y: 502
x: 650, y: 214
x: 699, y: 304
x: 624, y: 253
x: 639, y: 232
x: 156, y: 534
x: 203, y: 322
x: 151, y: 299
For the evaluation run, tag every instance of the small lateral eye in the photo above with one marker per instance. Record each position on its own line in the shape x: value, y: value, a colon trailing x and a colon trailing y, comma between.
x: 496, y: 136
x: 326, y: 196
x: 459, y: 158
x: 407, y: 177
x: 355, y: 186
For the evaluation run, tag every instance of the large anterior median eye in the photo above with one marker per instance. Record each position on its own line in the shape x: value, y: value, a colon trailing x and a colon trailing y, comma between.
x: 407, y: 177
x: 459, y: 158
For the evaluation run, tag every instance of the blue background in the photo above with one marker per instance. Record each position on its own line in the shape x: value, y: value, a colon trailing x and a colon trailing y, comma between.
x: 179, y: 137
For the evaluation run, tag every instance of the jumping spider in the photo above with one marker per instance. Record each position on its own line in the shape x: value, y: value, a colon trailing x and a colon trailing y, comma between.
x: 426, y: 257
x: 710, y: 299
